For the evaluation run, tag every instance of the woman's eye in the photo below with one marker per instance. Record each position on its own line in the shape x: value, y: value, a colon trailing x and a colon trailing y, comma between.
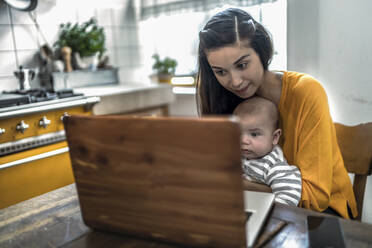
x: 220, y: 72
x: 242, y: 65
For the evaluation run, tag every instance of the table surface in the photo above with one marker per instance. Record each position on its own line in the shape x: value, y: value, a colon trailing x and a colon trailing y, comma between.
x: 54, y: 220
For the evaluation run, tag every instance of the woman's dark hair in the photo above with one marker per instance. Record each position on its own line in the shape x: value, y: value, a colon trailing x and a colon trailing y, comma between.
x: 223, y: 29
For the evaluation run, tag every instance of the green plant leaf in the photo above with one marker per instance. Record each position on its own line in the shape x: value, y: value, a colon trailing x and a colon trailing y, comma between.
x: 87, y: 38
x: 165, y: 66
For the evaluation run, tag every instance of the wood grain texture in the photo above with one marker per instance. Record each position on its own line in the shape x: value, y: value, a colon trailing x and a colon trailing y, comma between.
x: 356, y: 147
x: 172, y: 179
x: 355, y: 143
x: 49, y: 220
x: 54, y: 220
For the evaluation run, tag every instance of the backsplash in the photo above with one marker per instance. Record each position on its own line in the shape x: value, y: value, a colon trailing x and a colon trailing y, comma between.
x: 119, y: 19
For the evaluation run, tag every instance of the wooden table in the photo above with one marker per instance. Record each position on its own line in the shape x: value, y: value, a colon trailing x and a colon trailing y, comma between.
x: 54, y: 220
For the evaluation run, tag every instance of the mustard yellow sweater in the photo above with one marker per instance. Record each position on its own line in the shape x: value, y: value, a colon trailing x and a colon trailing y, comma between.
x: 309, y: 141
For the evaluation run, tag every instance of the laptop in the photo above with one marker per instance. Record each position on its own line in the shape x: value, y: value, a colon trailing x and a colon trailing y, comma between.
x: 173, y: 179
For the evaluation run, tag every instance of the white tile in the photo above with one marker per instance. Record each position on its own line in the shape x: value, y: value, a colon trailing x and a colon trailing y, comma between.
x: 4, y: 15
x: 133, y: 36
x: 49, y: 18
x: 104, y: 17
x: 6, y: 39
x: 124, y: 57
x: 124, y: 16
x: 7, y: 63
x: 112, y: 3
x: 123, y: 38
x: 136, y: 58
x: 141, y: 55
x: 85, y: 14
x: 118, y: 17
x: 29, y: 59
x: 58, y: 15
x: 8, y: 83
x: 50, y: 32
x: 109, y: 35
x: 21, y: 17
x: 127, y: 16
x: 26, y: 37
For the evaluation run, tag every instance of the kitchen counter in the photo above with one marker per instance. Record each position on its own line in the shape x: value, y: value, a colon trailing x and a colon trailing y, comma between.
x: 126, y: 98
x: 40, y: 107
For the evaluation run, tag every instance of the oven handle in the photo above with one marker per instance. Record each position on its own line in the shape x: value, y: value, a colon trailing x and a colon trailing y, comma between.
x: 34, y: 158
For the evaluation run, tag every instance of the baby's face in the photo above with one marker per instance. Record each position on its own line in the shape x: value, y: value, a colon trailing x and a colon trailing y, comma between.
x: 257, y: 136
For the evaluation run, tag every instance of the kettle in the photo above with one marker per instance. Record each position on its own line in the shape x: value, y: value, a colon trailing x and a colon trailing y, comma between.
x: 24, y: 76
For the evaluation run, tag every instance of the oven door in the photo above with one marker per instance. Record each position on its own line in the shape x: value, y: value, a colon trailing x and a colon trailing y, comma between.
x: 26, y: 174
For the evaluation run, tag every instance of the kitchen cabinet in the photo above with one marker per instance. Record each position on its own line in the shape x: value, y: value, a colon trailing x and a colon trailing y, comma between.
x: 135, y: 99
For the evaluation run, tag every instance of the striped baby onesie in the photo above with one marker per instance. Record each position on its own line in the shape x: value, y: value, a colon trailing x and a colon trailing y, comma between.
x: 274, y: 171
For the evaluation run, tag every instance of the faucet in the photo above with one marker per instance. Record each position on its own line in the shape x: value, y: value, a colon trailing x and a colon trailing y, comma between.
x: 24, y: 76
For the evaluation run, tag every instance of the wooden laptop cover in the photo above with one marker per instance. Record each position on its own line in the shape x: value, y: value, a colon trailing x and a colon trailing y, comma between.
x: 174, y: 179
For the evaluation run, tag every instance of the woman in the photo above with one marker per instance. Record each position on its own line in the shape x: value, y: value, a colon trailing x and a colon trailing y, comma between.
x: 234, y: 54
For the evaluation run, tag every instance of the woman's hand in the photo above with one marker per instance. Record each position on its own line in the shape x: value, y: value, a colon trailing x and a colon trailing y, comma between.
x: 253, y: 186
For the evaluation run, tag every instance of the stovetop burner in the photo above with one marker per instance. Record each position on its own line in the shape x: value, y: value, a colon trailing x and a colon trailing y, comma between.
x: 7, y: 100
x: 20, y: 97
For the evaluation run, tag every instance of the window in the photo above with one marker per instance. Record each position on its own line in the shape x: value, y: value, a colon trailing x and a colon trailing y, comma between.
x: 176, y: 35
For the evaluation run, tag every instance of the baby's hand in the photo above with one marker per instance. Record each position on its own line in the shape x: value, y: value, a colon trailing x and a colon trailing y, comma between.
x: 253, y: 186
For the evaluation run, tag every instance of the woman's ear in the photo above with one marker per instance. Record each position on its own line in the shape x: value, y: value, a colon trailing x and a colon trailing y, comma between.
x: 276, y: 136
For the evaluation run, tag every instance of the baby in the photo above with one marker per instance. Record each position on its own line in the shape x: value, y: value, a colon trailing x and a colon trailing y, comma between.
x: 263, y: 159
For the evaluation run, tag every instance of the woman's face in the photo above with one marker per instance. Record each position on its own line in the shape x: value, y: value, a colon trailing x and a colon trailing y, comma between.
x: 237, y: 68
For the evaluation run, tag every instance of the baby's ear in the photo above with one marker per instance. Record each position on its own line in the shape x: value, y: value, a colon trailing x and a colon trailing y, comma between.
x: 276, y: 136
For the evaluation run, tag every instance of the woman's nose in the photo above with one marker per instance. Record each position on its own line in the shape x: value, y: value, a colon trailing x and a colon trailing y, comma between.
x: 236, y: 80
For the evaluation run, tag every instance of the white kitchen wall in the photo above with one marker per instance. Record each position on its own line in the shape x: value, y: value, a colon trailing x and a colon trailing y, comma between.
x: 119, y: 19
x: 184, y: 103
x: 331, y: 39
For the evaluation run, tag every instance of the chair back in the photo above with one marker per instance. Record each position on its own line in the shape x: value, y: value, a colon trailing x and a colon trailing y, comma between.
x: 355, y: 143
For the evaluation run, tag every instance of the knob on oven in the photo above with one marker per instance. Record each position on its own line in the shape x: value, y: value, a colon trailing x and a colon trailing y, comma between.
x: 44, y: 122
x: 22, y: 126
x: 64, y: 115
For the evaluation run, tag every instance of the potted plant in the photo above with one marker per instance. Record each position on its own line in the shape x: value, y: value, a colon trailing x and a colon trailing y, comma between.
x: 164, y: 68
x: 87, y: 42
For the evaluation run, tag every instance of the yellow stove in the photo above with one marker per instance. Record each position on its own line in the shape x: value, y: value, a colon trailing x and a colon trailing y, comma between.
x: 34, y: 155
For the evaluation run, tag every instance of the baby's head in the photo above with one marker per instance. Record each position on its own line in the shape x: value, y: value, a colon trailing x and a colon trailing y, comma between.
x: 259, y: 120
